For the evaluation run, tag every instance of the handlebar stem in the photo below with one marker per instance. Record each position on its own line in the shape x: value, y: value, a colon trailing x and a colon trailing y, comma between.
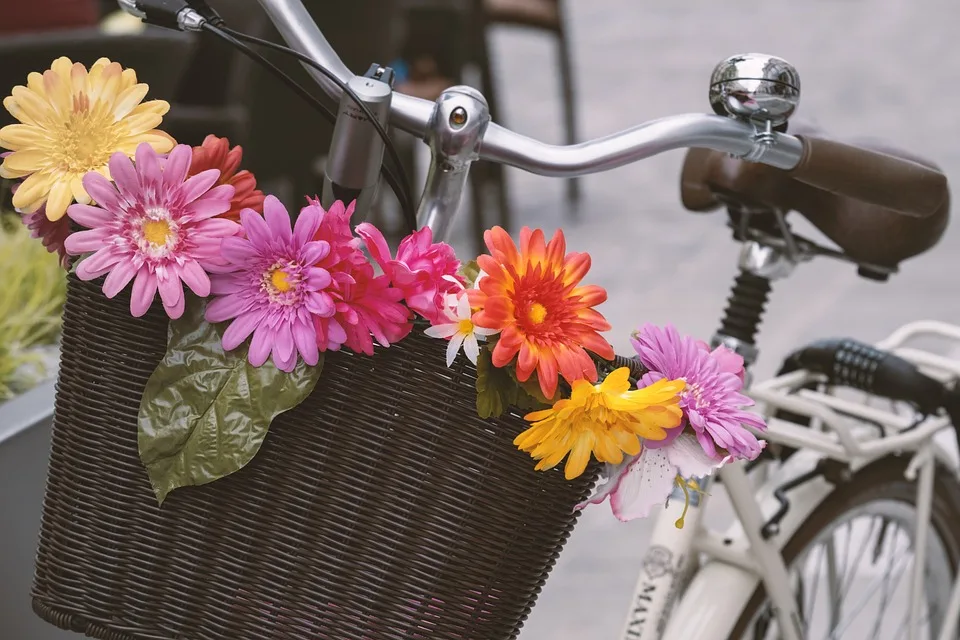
x: 298, y: 29
x: 457, y: 126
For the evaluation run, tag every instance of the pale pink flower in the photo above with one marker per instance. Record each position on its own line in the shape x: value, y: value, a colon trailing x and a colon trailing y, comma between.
x: 642, y: 482
x: 154, y: 227
x: 275, y: 289
x: 419, y: 270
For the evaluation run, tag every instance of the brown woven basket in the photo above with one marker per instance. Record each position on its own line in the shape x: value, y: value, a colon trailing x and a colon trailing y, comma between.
x: 381, y: 507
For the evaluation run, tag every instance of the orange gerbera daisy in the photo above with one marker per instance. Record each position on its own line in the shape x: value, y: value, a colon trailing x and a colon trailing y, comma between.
x: 533, y: 298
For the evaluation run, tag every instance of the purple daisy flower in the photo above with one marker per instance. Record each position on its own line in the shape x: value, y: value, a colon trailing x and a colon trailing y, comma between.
x: 712, y: 407
x: 274, y: 289
x: 711, y: 402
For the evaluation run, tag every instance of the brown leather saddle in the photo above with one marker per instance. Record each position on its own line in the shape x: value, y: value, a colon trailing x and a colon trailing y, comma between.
x: 864, y: 232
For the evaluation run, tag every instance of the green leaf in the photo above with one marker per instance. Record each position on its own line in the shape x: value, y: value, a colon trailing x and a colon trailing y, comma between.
x: 470, y: 271
x: 205, y: 412
x: 497, y: 388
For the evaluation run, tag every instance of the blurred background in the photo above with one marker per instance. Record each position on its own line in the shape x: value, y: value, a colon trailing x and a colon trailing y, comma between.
x: 557, y: 70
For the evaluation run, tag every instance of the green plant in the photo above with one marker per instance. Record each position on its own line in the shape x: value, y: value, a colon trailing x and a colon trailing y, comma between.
x: 32, y: 294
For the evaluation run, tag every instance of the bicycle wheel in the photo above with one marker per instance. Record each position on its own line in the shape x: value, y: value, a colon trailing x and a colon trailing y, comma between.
x: 851, y: 561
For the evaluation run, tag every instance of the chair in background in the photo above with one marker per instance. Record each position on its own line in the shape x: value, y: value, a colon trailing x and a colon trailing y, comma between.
x: 542, y: 15
x: 441, y: 41
x: 160, y: 56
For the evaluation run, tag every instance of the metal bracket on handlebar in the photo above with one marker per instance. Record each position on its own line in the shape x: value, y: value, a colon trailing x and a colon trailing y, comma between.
x: 454, y: 133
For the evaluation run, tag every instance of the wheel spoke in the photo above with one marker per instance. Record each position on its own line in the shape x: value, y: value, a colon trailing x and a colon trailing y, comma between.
x: 865, y: 577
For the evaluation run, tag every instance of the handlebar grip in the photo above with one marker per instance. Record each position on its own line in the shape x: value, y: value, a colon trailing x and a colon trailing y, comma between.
x: 850, y: 363
x: 870, y: 176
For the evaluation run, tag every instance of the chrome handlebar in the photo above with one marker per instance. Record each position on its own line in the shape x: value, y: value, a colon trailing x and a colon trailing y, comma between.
x: 502, y: 145
x: 458, y: 141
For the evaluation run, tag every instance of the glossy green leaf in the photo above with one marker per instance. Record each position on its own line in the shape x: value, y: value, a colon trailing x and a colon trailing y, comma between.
x: 205, y: 412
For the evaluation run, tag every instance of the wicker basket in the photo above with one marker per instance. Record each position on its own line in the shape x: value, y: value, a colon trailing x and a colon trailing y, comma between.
x: 381, y: 507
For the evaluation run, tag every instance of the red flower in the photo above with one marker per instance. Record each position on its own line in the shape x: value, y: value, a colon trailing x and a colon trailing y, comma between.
x: 215, y: 153
x: 52, y: 233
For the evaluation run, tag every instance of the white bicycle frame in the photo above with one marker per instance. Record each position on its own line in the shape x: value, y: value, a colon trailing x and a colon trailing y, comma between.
x: 678, y: 596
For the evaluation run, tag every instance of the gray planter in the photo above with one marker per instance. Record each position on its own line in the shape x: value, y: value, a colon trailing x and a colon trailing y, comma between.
x: 25, y: 424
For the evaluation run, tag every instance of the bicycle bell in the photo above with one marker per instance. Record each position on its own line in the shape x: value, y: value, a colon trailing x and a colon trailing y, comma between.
x: 757, y: 87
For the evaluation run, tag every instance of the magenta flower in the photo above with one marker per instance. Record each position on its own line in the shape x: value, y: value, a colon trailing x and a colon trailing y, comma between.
x: 52, y: 234
x: 421, y: 270
x: 154, y: 227
x: 367, y: 309
x: 275, y: 288
x: 711, y: 402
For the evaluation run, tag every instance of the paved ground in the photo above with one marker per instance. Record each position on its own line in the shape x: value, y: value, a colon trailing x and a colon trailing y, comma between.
x: 883, y: 67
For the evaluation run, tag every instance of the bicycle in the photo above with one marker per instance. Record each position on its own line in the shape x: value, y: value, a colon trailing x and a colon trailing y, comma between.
x: 821, y: 469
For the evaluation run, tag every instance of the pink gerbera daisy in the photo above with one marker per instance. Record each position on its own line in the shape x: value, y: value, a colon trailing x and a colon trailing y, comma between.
x: 276, y: 288
x: 425, y: 271
x: 367, y: 306
x: 711, y: 401
x: 154, y: 227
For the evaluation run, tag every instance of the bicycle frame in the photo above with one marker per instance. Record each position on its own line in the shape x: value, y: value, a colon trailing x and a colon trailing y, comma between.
x: 738, y: 559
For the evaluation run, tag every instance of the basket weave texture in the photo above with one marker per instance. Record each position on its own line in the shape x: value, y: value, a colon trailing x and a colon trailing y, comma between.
x: 382, y: 507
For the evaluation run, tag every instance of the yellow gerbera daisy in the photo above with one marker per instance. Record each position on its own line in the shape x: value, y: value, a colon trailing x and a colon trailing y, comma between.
x: 72, y: 121
x: 606, y: 419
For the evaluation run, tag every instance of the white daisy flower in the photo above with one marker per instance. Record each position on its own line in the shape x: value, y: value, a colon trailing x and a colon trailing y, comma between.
x: 461, y: 331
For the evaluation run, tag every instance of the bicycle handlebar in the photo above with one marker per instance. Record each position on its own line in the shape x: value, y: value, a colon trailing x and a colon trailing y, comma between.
x: 871, y: 177
x: 500, y: 144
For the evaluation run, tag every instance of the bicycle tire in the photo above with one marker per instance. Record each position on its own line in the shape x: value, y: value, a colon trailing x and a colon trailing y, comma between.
x: 885, y: 480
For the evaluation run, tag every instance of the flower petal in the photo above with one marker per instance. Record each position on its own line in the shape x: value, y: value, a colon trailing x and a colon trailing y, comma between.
x: 225, y: 308
x: 645, y: 483
x: 241, y: 328
x: 442, y: 330
x: 98, y: 264
x: 60, y: 198
x: 471, y: 348
x: 177, y: 165
x: 85, y: 241
x: 278, y: 220
x: 118, y: 278
x: 196, y: 278
x: 198, y: 185
x: 144, y: 291
x: 453, y: 348
x: 89, y: 216
x: 261, y: 345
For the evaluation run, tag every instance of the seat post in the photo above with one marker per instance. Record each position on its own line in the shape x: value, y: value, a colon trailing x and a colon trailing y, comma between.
x: 759, y: 266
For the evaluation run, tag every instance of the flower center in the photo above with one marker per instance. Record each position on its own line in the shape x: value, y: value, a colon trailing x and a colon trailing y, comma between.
x: 156, y: 232
x: 537, y: 313
x: 280, y: 283
x: 465, y: 326
x: 85, y: 141
x: 695, y: 392
x: 280, y: 280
